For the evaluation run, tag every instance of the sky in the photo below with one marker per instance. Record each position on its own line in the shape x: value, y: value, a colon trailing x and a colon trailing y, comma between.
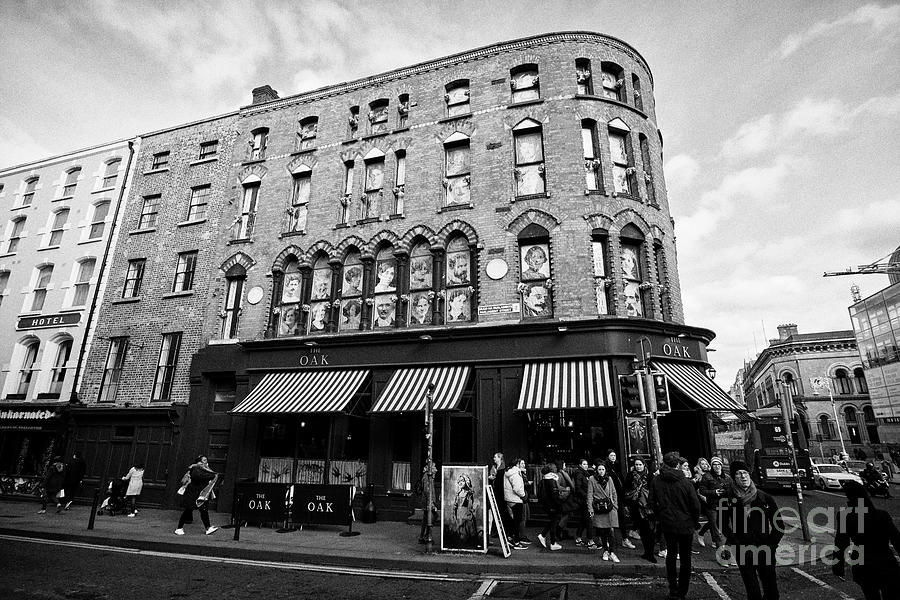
x: 781, y: 119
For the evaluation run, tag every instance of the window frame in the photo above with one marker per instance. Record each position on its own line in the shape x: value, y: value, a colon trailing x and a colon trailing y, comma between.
x: 199, y: 198
x: 134, y: 277
x: 185, y: 270
x: 459, y: 183
x: 246, y: 220
x: 627, y: 167
x: 116, y: 355
x: 234, y: 291
x: 163, y: 382
x: 208, y: 150
x: 307, y: 133
x: 461, y: 106
x: 59, y: 370
x: 593, y: 165
x: 27, y: 367
x: 71, y: 182
x: 30, y: 190
x: 584, y: 80
x: 531, y: 92
x: 57, y: 228
x: 39, y: 293
x: 98, y: 227
x: 528, y: 127
x: 111, y: 174
x: 15, y: 234
x: 82, y: 284
x: 160, y: 160
x: 148, y: 219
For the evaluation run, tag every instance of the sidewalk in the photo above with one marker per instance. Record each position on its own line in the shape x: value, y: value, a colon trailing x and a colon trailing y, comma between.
x: 385, y: 545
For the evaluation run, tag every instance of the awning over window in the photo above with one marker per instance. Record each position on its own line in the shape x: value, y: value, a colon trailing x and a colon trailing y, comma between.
x: 566, y: 385
x: 694, y: 383
x: 407, y: 388
x: 303, y: 392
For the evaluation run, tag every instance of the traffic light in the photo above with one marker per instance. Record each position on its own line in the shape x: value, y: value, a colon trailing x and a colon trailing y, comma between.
x: 631, y: 392
x: 661, y: 392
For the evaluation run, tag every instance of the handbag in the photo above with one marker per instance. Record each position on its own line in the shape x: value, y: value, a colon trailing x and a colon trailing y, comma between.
x: 602, y: 505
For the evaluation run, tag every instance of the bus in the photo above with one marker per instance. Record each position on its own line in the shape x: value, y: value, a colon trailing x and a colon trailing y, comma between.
x: 770, y: 455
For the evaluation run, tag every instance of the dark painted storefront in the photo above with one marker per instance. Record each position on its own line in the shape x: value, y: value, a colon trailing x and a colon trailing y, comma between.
x: 31, y: 433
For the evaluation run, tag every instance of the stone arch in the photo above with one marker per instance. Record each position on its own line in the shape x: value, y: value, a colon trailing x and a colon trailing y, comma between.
x: 350, y: 155
x: 355, y: 241
x: 599, y: 221
x: 377, y: 144
x: 401, y: 143
x: 418, y: 231
x: 304, y: 160
x: 246, y: 173
x: 629, y: 215
x: 519, y: 116
x: 657, y: 233
x: 238, y: 258
x: 380, y: 238
x: 317, y: 248
x: 285, y: 256
x: 464, y: 126
x: 532, y: 215
x: 446, y: 232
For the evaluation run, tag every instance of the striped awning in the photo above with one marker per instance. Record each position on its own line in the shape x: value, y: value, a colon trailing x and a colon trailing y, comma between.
x: 407, y: 388
x: 302, y: 392
x: 694, y: 384
x: 566, y: 385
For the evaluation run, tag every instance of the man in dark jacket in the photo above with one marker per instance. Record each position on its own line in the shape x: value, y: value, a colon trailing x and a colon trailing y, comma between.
x: 752, y: 523
x: 75, y: 470
x: 675, y: 502
x: 581, y: 492
x: 714, y: 485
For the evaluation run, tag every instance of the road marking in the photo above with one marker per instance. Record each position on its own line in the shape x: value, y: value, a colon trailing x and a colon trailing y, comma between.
x: 485, y: 590
x: 820, y: 583
x: 711, y: 582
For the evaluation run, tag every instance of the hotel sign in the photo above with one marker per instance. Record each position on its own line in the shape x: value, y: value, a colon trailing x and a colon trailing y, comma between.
x: 44, y: 321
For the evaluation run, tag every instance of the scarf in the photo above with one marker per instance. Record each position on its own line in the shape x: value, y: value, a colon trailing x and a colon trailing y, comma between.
x: 746, y: 495
x: 603, y: 480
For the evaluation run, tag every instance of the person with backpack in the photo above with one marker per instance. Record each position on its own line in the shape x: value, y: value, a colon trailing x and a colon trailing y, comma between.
x: 548, y: 494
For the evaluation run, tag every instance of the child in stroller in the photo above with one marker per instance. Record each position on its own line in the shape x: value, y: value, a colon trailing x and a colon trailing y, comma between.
x: 114, y: 503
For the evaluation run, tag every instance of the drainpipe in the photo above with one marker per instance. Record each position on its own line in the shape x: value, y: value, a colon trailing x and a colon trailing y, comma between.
x: 74, y: 397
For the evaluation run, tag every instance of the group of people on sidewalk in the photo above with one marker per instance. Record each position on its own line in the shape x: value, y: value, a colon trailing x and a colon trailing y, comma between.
x: 62, y: 482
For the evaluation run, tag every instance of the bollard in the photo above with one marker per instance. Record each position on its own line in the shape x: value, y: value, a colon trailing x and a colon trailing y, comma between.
x: 94, y: 504
x: 237, y: 515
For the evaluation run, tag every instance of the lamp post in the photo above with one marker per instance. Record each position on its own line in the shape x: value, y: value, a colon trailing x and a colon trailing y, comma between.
x: 787, y: 411
x: 429, y: 469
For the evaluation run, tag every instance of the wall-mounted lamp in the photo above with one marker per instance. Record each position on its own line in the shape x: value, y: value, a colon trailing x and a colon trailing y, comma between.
x: 425, y: 337
x: 562, y: 329
x: 310, y: 344
x: 711, y: 372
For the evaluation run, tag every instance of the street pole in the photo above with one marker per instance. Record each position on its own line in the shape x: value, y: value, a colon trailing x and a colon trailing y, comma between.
x: 648, y: 399
x: 429, y: 468
x: 837, y: 423
x: 786, y: 413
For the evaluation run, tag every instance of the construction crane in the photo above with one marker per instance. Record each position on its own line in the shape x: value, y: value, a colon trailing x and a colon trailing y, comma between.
x: 885, y: 266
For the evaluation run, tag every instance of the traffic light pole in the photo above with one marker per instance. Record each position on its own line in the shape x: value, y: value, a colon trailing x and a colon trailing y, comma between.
x: 654, y: 417
x: 786, y: 413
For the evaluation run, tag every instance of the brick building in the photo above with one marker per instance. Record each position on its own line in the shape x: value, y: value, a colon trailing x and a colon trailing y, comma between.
x: 58, y: 219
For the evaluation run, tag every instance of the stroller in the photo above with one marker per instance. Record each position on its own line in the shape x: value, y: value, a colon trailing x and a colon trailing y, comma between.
x: 114, y: 502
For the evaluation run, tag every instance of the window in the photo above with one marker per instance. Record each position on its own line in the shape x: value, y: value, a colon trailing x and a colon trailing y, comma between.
x: 160, y: 161
x: 149, y: 212
x: 58, y: 374
x: 790, y: 383
x: 111, y: 174
x: 400, y: 182
x: 636, y: 90
x: 28, y: 194
x: 71, y: 183
x: 198, y: 203
x: 300, y: 192
x: 258, y: 142
x: 860, y: 377
x: 459, y: 290
x: 385, y: 289
x: 826, y: 427
x: 583, y: 76
x: 374, y: 182
x: 234, y: 289
x: 622, y: 158
x: 15, y: 234
x: 534, y: 272
x: 83, y: 282
x: 842, y: 382
x: 602, y: 282
x: 457, y: 98
x: 524, y: 83
x: 347, y: 198
x: 851, y: 420
x: 56, y: 230
x: 351, y: 293
x: 309, y: 129
x: 184, y: 272
x: 421, y: 282
x: 209, y: 150
x: 662, y: 281
x: 378, y: 116
x: 165, y: 368
x: 529, y: 149
x: 320, y: 295
x: 648, y: 169
x: 26, y: 372
x: 40, y: 287
x: 402, y: 111
x: 243, y: 225
x: 871, y: 425
x: 98, y: 222
x: 457, y: 170
x: 290, y: 321
x: 612, y: 80
x: 593, y: 176
x: 353, y: 121
x: 134, y: 278
x: 632, y: 265
x: 4, y: 282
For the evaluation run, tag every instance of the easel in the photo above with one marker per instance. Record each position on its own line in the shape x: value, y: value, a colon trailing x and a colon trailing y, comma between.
x: 494, y: 514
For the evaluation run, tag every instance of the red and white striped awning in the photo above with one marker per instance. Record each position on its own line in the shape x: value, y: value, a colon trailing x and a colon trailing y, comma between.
x: 407, y: 389
x: 694, y: 384
x: 566, y: 385
x: 303, y: 392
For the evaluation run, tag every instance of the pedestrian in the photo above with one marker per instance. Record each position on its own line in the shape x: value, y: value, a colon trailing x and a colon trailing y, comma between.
x: 496, y: 477
x: 753, y: 525
x: 135, y: 479
x: 567, y: 496
x: 54, y: 485
x: 615, y: 474
x: 552, y: 503
x: 198, y: 491
x: 675, y: 503
x: 714, y: 486
x: 872, y: 531
x: 514, y: 495
x: 604, y: 511
x: 637, y: 495
x: 584, y: 533
x: 75, y: 470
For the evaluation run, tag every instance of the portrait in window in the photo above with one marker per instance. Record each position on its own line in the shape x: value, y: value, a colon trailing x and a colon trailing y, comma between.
x: 529, y: 149
x: 351, y: 292
x: 611, y: 76
x: 535, y: 272
x: 535, y: 262
x: 290, y: 315
x: 632, y: 278
x: 524, y: 83
x: 321, y: 282
x: 309, y: 129
x: 599, y: 262
x: 590, y: 145
x: 458, y: 263
x: 385, y: 288
x: 459, y: 277
x: 378, y: 116
x: 457, y: 98
x: 374, y: 183
x: 457, y: 169
x: 300, y: 192
x: 421, y: 267
x: 622, y: 157
x: 583, y: 76
x: 536, y: 300
x: 351, y: 309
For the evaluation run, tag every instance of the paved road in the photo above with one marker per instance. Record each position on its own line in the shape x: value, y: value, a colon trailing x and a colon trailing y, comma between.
x: 34, y: 570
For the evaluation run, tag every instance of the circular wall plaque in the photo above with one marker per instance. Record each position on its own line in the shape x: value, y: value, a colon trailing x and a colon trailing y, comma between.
x: 255, y: 295
x: 497, y: 268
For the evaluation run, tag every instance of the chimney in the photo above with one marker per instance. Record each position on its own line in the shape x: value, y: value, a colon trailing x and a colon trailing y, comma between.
x: 263, y: 94
x: 787, y: 330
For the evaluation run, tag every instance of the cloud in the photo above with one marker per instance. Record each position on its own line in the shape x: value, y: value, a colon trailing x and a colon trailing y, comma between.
x: 17, y: 146
x: 876, y: 17
x: 681, y: 170
x: 878, y: 216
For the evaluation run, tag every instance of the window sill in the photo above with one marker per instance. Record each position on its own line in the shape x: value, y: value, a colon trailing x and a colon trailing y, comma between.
x: 525, y: 103
x: 72, y: 309
x: 218, y: 342
x: 531, y: 197
x: 45, y: 248
x: 48, y: 396
x: 349, y: 141
x: 154, y: 171
x: 203, y: 161
x: 192, y: 222
x: 104, y: 190
x: 61, y: 198
x: 455, y: 118
x: 597, y: 98
x: 453, y: 207
x: 305, y: 151
x: 287, y: 234
x: 20, y: 207
x: 126, y: 300
x: 594, y: 193
x: 139, y: 231
x: 373, y: 136
x: 240, y: 241
x: 395, y: 217
x: 7, y: 254
x: 255, y: 161
x: 179, y: 294
x: 401, y: 129
x: 15, y: 396
x: 91, y: 241
x: 656, y: 206
x: 368, y: 220
x: 30, y: 313
x: 342, y: 226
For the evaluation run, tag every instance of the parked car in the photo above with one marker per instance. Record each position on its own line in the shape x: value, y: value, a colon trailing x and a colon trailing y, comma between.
x: 830, y: 476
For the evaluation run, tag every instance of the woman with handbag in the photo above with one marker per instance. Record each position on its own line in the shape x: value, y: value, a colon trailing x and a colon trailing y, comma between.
x: 637, y: 494
x: 197, y: 494
x: 604, y: 510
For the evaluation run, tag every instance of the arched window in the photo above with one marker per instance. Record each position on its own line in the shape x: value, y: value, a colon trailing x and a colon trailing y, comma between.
x: 290, y: 316
x: 259, y: 140
x: 633, y: 272
x: 421, y: 281
x: 402, y: 111
x: 60, y: 365
x: 860, y: 377
x: 593, y: 174
x: 83, y: 281
x: 60, y: 218
x: 457, y: 98
x: 347, y: 198
x: 71, y: 182
x: 98, y: 220
x: 4, y: 282
x: 27, y: 368
x: 636, y: 89
x: 459, y: 282
x: 385, y: 299
x: 529, y: 148
x: 535, y: 272
x: 399, y: 182
x: 852, y: 422
x: 306, y: 134
x: 378, y: 116
x: 457, y: 170
x: 790, y: 383
x: 300, y: 192
x: 320, y: 295
x: 234, y: 291
x: 583, y: 76
x: 842, y: 382
x: 111, y: 173
x: 370, y: 207
x: 826, y: 427
x: 28, y: 194
x: 17, y: 226
x: 622, y: 158
x: 40, y: 287
x: 602, y: 282
x: 613, y: 80
x: 351, y: 292
x: 243, y: 225
x: 524, y: 83
x: 648, y: 169
x: 353, y: 121
x: 871, y: 425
